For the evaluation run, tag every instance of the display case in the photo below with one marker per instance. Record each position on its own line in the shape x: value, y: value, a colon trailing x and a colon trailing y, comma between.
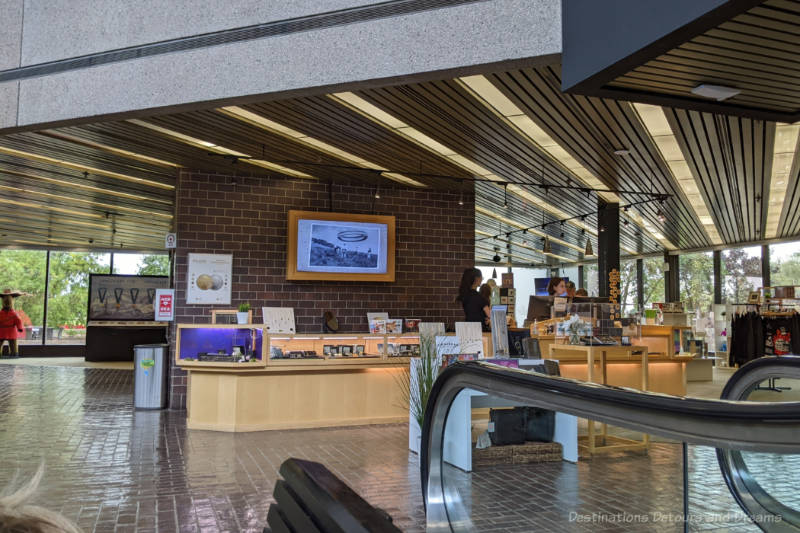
x: 340, y: 347
x: 220, y: 345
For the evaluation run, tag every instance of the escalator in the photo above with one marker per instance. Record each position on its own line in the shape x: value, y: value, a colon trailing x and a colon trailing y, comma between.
x: 749, y: 440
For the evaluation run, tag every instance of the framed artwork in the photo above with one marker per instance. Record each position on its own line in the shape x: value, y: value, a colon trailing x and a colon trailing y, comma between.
x: 359, y: 349
x: 754, y: 298
x: 123, y: 297
x: 327, y: 349
x: 340, y: 247
x: 208, y: 280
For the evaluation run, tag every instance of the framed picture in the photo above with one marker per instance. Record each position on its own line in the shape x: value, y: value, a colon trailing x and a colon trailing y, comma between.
x: 346, y: 349
x: 359, y: 349
x: 411, y: 324
x: 123, y: 297
x: 377, y: 326
x: 208, y: 280
x: 340, y: 247
x: 394, y: 325
x: 327, y: 349
x: 754, y: 298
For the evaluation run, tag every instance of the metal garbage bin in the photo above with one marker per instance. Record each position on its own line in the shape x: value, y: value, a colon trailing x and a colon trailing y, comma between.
x: 150, y: 376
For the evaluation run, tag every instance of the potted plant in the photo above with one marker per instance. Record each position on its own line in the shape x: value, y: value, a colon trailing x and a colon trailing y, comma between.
x: 242, y: 316
x: 417, y: 382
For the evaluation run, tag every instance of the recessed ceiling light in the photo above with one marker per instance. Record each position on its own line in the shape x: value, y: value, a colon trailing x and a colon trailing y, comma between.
x: 717, y: 92
x: 622, y: 152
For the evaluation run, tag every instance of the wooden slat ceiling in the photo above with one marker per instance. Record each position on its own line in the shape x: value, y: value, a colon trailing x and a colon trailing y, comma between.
x: 126, y: 199
x: 757, y: 52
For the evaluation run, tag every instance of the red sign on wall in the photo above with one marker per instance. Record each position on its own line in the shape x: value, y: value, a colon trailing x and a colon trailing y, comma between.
x: 165, y: 305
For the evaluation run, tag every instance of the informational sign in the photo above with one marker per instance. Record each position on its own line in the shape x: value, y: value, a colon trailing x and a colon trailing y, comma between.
x: 165, y: 305
x: 209, y: 279
x: 123, y: 297
x: 170, y: 241
x: 470, y: 337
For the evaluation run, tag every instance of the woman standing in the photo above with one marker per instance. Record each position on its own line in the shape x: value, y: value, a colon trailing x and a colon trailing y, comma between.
x: 476, y: 307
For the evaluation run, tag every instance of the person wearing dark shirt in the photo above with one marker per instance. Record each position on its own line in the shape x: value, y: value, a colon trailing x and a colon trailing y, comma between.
x: 476, y: 307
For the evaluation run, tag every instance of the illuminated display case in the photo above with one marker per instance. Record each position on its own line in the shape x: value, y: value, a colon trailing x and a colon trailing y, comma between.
x: 340, y: 346
x: 220, y: 345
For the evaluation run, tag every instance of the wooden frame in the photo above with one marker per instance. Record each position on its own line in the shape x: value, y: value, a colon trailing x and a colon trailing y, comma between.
x: 291, y: 249
x: 228, y: 312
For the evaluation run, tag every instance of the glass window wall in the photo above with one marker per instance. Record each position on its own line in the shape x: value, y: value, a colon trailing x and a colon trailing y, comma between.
x: 653, y: 282
x: 24, y: 271
x: 697, y: 281
x: 590, y: 279
x: 142, y: 264
x: 784, y: 263
x: 628, y: 291
x: 68, y: 294
x: 741, y: 273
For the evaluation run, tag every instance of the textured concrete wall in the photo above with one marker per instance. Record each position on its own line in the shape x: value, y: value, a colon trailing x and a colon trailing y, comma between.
x: 10, y: 49
x: 408, y: 47
x: 59, y: 29
x: 434, y: 243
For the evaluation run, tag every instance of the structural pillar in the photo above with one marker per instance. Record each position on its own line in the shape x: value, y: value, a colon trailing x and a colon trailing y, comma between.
x: 766, y: 278
x: 607, y: 243
x: 671, y: 277
x: 581, y: 279
x: 640, y: 285
x: 717, y: 276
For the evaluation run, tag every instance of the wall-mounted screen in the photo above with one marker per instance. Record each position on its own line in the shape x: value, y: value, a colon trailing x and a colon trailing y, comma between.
x: 122, y: 297
x: 540, y: 285
x: 340, y: 247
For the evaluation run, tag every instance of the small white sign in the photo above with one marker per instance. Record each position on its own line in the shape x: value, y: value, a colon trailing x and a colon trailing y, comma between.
x: 165, y: 305
x: 170, y: 241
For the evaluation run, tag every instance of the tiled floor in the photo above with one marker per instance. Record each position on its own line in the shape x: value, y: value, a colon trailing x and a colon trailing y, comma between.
x: 111, y: 468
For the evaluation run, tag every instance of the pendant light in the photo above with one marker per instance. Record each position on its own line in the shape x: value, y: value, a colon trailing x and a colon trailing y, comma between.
x: 588, y: 252
x: 494, y: 273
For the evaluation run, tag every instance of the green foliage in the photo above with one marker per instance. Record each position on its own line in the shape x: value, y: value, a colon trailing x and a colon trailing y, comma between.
x: 737, y: 267
x: 154, y: 265
x: 697, y: 281
x: 653, y: 280
x: 24, y: 270
x: 416, y: 389
x: 786, y: 272
x: 244, y: 307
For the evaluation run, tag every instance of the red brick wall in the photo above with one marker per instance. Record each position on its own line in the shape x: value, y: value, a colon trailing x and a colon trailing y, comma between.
x: 435, y: 242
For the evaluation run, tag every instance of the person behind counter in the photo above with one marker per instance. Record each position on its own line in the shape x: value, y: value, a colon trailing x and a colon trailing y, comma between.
x: 476, y: 307
x: 581, y: 292
x: 557, y: 287
x: 570, y: 289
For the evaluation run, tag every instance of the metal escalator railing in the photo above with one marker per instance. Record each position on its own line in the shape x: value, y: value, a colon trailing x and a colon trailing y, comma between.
x: 728, y: 425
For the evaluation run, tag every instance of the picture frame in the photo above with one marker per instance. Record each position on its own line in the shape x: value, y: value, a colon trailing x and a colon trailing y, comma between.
x: 754, y: 298
x: 325, y: 246
x: 346, y: 350
x: 327, y: 350
x: 123, y: 297
x: 394, y: 326
x: 359, y: 350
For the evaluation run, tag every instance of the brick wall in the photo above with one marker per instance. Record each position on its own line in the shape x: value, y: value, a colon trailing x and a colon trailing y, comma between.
x: 248, y: 218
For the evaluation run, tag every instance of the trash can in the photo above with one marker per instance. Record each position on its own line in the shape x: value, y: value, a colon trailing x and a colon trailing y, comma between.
x: 150, y: 376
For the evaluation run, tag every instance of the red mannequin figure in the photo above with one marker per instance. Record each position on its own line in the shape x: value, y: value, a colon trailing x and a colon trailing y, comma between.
x: 10, y: 323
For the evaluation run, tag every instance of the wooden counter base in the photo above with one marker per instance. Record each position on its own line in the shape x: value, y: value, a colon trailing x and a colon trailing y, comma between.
x: 295, y: 398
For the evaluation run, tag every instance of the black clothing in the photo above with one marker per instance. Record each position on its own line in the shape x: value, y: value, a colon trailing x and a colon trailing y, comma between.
x: 753, y: 336
x: 473, y: 304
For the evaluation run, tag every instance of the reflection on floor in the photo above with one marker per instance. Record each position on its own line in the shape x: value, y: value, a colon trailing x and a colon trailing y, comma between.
x: 114, y: 469
x: 67, y: 361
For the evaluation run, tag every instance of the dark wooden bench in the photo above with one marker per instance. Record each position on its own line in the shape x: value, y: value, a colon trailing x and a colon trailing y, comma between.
x: 311, y: 499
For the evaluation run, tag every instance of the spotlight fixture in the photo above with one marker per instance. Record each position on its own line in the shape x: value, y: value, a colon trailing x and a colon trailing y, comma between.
x: 625, y: 222
x: 496, y: 258
x: 588, y: 252
x: 91, y: 241
x: 661, y: 216
x: 377, y: 195
x: 602, y: 229
x: 622, y: 151
x: 561, y: 236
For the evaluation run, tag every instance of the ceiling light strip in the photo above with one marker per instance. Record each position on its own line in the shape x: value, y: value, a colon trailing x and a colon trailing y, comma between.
x: 106, y: 148
x: 217, y: 149
x: 370, y: 111
x: 657, y: 125
x: 61, y: 197
x: 84, y: 187
x: 83, y: 168
x: 783, y: 157
x: 266, y: 124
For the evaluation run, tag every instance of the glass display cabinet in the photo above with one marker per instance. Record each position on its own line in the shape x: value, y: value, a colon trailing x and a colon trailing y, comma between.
x: 340, y: 347
x: 220, y: 345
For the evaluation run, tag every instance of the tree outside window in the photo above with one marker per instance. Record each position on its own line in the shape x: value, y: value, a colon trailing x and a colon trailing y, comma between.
x: 697, y: 281
x: 628, y: 291
x: 784, y: 263
x: 141, y: 264
x: 24, y: 270
x: 591, y: 279
x: 69, y: 294
x: 741, y: 273
x: 653, y: 281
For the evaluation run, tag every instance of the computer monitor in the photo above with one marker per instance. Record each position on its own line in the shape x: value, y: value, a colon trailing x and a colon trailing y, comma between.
x: 539, y: 307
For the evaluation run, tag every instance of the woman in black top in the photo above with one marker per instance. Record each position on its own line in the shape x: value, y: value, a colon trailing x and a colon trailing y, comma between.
x: 476, y: 307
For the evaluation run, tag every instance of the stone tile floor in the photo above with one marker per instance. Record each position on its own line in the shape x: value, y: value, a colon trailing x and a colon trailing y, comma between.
x: 111, y: 468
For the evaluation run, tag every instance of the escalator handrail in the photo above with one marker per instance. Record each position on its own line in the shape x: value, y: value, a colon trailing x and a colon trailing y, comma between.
x: 771, y: 427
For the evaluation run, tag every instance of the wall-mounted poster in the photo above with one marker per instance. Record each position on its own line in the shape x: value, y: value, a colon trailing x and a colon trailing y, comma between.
x: 123, y: 297
x: 340, y: 247
x: 209, y: 279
